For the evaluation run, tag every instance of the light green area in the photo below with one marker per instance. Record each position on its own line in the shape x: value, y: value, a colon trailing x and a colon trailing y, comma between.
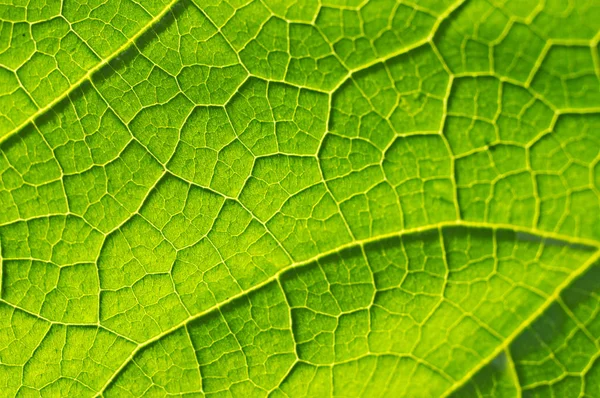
x: 248, y: 198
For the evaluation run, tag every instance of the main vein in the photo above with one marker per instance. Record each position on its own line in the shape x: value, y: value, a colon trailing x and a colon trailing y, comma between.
x: 582, y: 242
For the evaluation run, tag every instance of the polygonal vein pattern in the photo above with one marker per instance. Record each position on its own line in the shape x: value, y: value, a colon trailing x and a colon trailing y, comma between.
x: 301, y: 198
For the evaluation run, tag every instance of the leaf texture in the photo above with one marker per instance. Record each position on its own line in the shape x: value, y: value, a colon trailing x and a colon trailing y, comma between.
x: 301, y: 198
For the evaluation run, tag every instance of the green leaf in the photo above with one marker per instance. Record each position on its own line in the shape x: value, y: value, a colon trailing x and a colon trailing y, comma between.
x: 300, y: 198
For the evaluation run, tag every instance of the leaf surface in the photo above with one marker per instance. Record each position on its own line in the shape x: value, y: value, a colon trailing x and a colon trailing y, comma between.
x: 300, y: 198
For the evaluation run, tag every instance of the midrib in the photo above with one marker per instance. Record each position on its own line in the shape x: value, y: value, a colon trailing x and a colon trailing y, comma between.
x: 568, y: 240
